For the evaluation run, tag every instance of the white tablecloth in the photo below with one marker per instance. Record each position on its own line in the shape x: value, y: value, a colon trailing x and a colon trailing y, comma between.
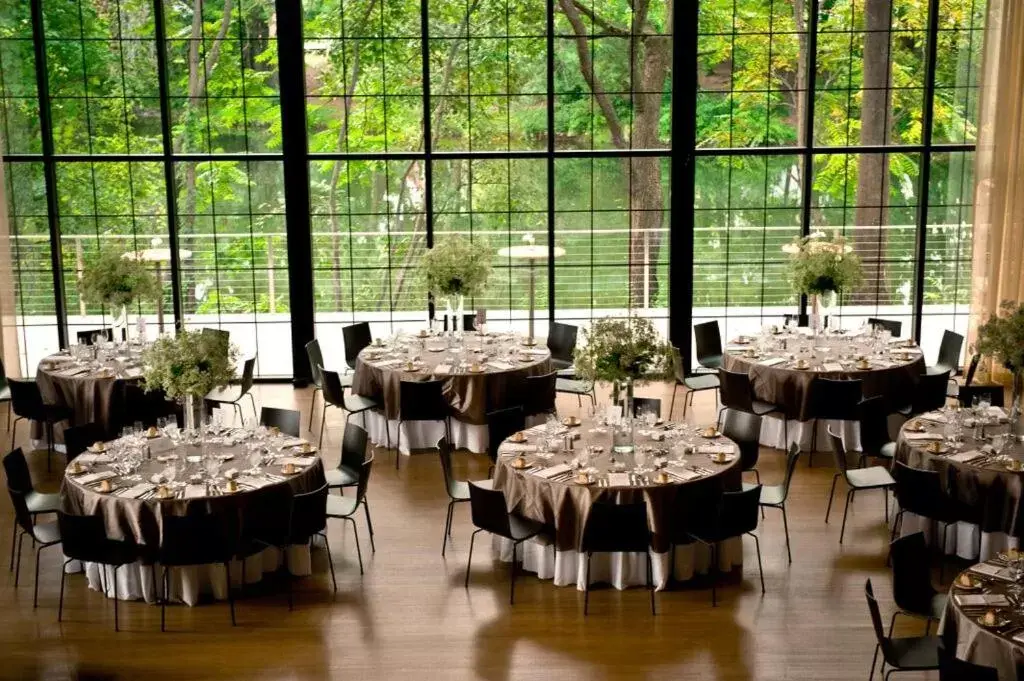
x: 961, y: 539
x: 773, y: 434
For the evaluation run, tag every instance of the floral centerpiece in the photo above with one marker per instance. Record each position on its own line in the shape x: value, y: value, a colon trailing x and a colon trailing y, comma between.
x: 454, y: 269
x: 821, y: 267
x: 117, y: 281
x: 188, y: 366
x: 1002, y: 337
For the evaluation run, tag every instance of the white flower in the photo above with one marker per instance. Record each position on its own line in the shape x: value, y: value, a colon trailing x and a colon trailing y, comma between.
x: 528, y: 238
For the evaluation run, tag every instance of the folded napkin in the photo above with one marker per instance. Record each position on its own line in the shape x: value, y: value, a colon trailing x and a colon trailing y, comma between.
x: 918, y: 437
x: 997, y: 412
x: 90, y: 478
x: 684, y: 474
x: 135, y: 491
x: 965, y: 457
x: 291, y: 442
x: 736, y: 348
x: 295, y: 460
x: 618, y: 480
x: 553, y: 472
x: 994, y: 571
x: 442, y: 369
x: 715, y: 449
x: 195, y: 491
x: 934, y: 417
x: 772, y: 361
x: 1019, y: 638
x: 983, y: 600
x: 133, y: 372
x: 831, y: 366
x: 252, y: 481
x: 517, y: 447
x: 499, y: 365
x: 391, y: 362
x: 535, y: 353
x: 93, y: 458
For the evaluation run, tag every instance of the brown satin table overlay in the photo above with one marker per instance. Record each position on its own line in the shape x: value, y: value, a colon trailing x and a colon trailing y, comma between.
x: 563, y: 504
x: 1000, y: 646
x: 139, y: 520
x: 499, y: 383
x: 986, y: 492
x: 892, y: 374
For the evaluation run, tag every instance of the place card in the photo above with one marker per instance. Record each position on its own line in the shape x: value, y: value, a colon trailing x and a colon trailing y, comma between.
x: 982, y: 600
x: 553, y: 472
x: 715, y: 449
x: 831, y: 366
x: 93, y: 458
x: 517, y: 448
x: 922, y: 437
x: 90, y: 478
x: 772, y: 361
x: 294, y: 460
x: 195, y: 491
x: 993, y: 571
x: 618, y: 480
x: 965, y: 457
x: 499, y: 365
x: 442, y: 369
x: 736, y: 348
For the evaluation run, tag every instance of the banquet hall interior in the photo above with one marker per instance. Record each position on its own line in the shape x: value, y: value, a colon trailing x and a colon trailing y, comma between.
x: 648, y: 338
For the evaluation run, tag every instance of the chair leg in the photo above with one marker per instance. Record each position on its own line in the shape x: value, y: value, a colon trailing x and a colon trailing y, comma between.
x: 672, y: 404
x: 760, y: 567
x: 469, y: 561
x: 312, y: 408
x: 117, y: 624
x: 288, y: 579
x: 231, y: 595
x: 512, y: 581
x: 369, y: 524
x: 252, y: 400
x: 885, y: 493
x: 323, y: 425
x: 60, y: 601
x: 330, y: 560
x: 874, y: 661
x: 163, y: 602
x: 650, y: 582
x: 14, y: 429
x: 846, y: 510
x: 447, y: 527
x: 714, y: 575
x: 586, y: 577
x: 831, y: 493
x: 398, y: 445
x: 814, y: 443
x: 785, y: 527
x: 359, y: 551
x: 14, y: 537
x: 35, y: 590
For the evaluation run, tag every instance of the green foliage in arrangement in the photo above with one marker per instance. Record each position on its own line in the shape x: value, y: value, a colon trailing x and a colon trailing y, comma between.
x: 114, y: 280
x: 819, y: 265
x: 191, y: 363
x: 1002, y: 336
x: 456, y: 267
x: 623, y: 349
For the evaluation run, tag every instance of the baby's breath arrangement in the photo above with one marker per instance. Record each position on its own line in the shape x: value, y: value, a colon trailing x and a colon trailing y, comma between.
x: 456, y: 267
x: 116, y: 281
x: 623, y: 350
x: 1002, y: 337
x: 191, y: 363
x: 820, y: 265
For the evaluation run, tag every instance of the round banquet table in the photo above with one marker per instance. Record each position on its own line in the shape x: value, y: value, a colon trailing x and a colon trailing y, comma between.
x: 988, y: 498
x: 998, y: 647
x: 133, y: 513
x: 505, y: 362
x: 771, y: 362
x: 93, y: 390
x: 560, y: 503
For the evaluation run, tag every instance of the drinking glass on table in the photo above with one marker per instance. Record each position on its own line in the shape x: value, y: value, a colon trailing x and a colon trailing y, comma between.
x: 255, y: 457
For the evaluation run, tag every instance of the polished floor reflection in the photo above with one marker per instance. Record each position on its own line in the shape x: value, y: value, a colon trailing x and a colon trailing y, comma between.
x: 410, y: 617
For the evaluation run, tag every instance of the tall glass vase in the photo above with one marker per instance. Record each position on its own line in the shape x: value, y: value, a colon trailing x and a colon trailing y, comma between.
x: 819, y: 311
x: 192, y: 409
x: 119, y: 326
x: 459, y: 314
x: 622, y: 434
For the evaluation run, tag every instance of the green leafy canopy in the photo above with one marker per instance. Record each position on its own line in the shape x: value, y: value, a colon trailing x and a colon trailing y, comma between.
x: 115, y: 280
x: 623, y: 349
x: 456, y: 267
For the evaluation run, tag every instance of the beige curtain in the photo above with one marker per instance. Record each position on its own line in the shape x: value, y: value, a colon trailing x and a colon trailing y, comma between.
x: 998, y: 259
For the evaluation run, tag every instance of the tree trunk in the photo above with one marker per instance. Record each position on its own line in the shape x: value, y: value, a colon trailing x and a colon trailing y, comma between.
x: 872, y: 174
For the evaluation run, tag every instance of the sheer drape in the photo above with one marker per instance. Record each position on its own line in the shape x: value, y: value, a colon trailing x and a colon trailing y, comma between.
x: 8, y: 328
x: 998, y: 260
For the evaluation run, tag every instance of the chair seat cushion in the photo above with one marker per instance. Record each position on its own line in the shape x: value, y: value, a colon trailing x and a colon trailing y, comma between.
x: 459, y: 490
x: 761, y: 408
x: 887, y: 451
x: 523, y: 528
x: 771, y: 495
x: 568, y: 372
x: 560, y: 364
x: 872, y: 476
x: 701, y: 381
x: 918, y: 652
x: 5, y: 393
x: 227, y: 394
x: 357, y: 403
x: 342, y: 476
x: 346, y: 380
x: 46, y: 533
x: 340, y: 507
x: 38, y: 502
x: 575, y: 387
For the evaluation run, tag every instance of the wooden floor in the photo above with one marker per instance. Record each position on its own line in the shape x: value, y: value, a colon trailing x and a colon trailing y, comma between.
x: 409, y: 617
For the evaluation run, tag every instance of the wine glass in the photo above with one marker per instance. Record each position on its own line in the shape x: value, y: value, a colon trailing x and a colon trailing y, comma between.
x: 211, y: 464
x: 255, y: 458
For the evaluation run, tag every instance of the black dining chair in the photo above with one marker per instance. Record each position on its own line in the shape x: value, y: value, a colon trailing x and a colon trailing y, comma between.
x: 948, y: 359
x: 490, y: 514
x: 353, y: 454
x: 334, y: 395
x: 539, y: 394
x: 893, y: 326
x: 468, y: 322
x: 616, y: 528
x: 193, y: 539
x: 930, y: 394
x: 905, y: 654
x: 28, y: 405
x: 708, y: 341
x: 875, y: 442
x: 693, y: 383
x: 285, y: 420
x: 307, y: 518
x: 19, y: 479
x: 316, y: 360
x: 953, y: 669
x: 802, y: 320
x: 501, y: 425
x: 422, y: 401
x: 744, y: 428
x: 5, y: 393
x: 920, y: 492
x: 89, y: 336
x: 774, y: 496
x: 576, y: 386
x: 457, y: 490
x: 562, y: 344
x: 43, y: 535
x: 912, y: 582
x: 345, y: 508
x: 832, y: 399
x: 357, y: 337
x: 857, y: 480
x: 79, y: 438
x: 735, y: 516
x: 966, y: 393
x: 84, y: 538
x: 646, y: 405
x: 737, y: 393
x: 233, y: 394
x: 220, y: 334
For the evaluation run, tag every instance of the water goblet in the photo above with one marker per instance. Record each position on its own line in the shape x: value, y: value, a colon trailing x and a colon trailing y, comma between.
x: 255, y: 458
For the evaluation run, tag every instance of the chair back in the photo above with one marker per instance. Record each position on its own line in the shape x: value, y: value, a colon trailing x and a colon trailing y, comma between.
x: 972, y: 368
x: 920, y: 491
x: 911, y: 574
x: 838, y: 452
x: 16, y: 468
x: 316, y: 360
x: 3, y: 375
x: 953, y: 669
x: 78, y: 438
x: 893, y: 326
x: 736, y: 390
x: 738, y: 512
x: 357, y: 336
x: 930, y: 392
x: 791, y: 460
x: 364, y: 479
x: 333, y: 390
x: 540, y: 394
x: 309, y: 515
x: 802, y: 320
x: 677, y: 365
x: 874, y: 424
x: 21, y: 513
x: 84, y: 538
x: 489, y: 510
x: 646, y: 405
x: 26, y: 400
x: 286, y: 420
x: 949, y: 351
x: 743, y: 428
x: 468, y: 322
x: 194, y: 539
x: 88, y: 336
x: 708, y: 341
x: 502, y: 424
x: 994, y: 393
x: 353, y: 446
x: 422, y: 401
x: 248, y: 367
x: 884, y: 642
x: 562, y: 341
x: 616, y: 527
x: 836, y: 399
x: 444, y: 453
